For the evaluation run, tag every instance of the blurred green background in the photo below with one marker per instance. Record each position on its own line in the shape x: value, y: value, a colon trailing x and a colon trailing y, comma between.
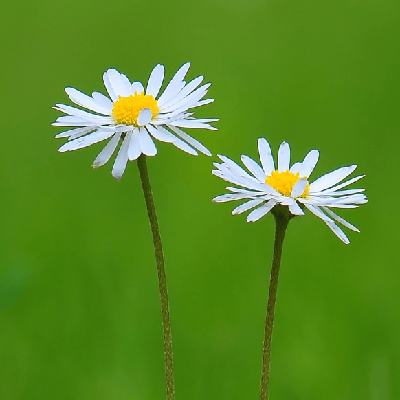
x: 79, y: 307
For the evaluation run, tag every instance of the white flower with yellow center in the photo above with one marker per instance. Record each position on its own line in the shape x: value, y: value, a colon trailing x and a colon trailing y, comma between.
x: 266, y: 187
x: 136, y: 116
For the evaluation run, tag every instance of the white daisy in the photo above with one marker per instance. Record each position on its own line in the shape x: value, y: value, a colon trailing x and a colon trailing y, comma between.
x: 136, y: 116
x: 266, y: 187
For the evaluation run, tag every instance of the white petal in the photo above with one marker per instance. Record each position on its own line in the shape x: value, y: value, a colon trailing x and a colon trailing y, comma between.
x: 103, y: 101
x: 347, y: 183
x: 202, y: 103
x: 340, y: 219
x: 134, y: 150
x: 331, y: 178
x: 88, y: 119
x: 180, y: 144
x: 73, y: 121
x: 137, y: 87
x: 75, y: 133
x: 283, y: 157
x: 155, y: 80
x: 184, y: 92
x: 317, y: 212
x: 335, y: 229
x: 223, y: 198
x: 119, y: 83
x: 341, y: 205
x: 192, y: 123
x: 238, y: 180
x: 295, y: 209
x: 285, y: 200
x: 86, y: 101
x: 235, y: 169
x: 317, y: 200
x: 230, y: 178
x: 254, y: 168
x: 331, y: 192
x: 309, y: 163
x: 182, y: 110
x: 123, y: 128
x: 107, y: 152
x: 193, y: 142
x: 205, y: 119
x: 167, y: 118
x: 261, y: 211
x: 174, y: 86
x: 146, y: 143
x: 85, y: 141
x: 299, y: 187
x: 338, y: 232
x: 235, y: 174
x: 249, y: 193
x: 123, y: 79
x: 144, y: 116
x: 161, y: 133
x: 164, y: 135
x: 187, y: 101
x: 109, y: 88
x: 70, y: 119
x: 267, y: 161
x: 76, y: 112
x: 176, y: 115
x: 334, y: 202
x: 122, y: 158
x: 352, y: 199
x: 295, y: 168
x: 247, y: 206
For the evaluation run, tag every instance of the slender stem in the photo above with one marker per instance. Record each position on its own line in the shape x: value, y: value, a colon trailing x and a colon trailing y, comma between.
x: 162, y: 280
x: 281, y: 221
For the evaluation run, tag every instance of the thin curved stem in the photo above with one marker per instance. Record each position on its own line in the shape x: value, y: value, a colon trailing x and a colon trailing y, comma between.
x: 281, y: 222
x: 162, y: 280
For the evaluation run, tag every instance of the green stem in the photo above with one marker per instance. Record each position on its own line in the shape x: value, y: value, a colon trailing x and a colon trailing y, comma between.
x: 281, y: 221
x: 162, y: 280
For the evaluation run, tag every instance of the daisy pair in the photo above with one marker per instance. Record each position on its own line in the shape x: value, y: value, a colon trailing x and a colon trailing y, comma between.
x: 133, y: 117
x: 136, y: 116
x: 266, y: 186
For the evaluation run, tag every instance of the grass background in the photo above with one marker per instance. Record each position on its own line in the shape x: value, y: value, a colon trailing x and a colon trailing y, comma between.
x: 79, y: 308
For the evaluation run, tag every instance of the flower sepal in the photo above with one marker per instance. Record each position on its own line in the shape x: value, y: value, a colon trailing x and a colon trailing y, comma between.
x: 283, y: 213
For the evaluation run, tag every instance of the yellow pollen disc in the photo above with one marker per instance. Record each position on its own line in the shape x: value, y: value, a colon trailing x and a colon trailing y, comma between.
x: 283, y: 182
x: 126, y: 109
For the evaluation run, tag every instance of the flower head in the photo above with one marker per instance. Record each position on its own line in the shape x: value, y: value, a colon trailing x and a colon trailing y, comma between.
x: 266, y: 187
x: 135, y: 116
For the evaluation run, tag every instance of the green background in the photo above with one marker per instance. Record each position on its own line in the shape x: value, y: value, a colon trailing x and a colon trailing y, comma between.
x: 79, y: 307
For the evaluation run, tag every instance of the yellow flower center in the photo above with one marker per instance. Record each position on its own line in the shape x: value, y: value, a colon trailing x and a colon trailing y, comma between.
x: 283, y: 182
x: 126, y: 109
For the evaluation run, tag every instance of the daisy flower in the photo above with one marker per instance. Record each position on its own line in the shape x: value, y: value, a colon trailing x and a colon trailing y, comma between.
x: 135, y: 116
x: 266, y: 186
